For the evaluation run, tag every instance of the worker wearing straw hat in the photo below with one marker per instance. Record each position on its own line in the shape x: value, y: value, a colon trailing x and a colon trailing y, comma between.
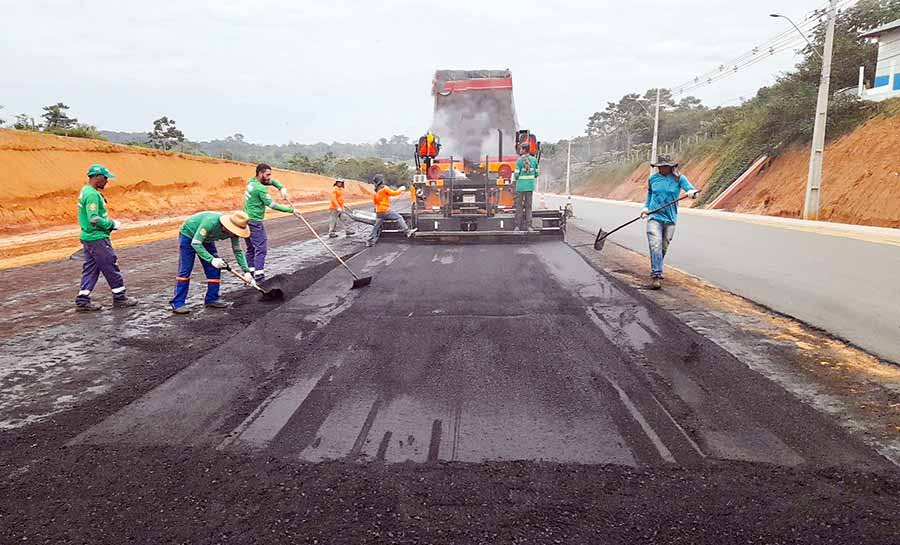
x: 663, y: 187
x: 197, y: 237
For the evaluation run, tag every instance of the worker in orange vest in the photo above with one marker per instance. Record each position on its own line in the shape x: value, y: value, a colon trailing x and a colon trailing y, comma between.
x: 337, y: 210
x: 383, y: 210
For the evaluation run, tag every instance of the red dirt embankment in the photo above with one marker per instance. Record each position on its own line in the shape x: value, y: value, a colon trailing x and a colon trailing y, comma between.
x: 861, y: 184
x: 634, y: 187
x: 43, y: 174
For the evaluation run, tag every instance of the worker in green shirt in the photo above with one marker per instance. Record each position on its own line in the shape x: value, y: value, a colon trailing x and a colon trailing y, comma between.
x: 197, y: 237
x: 525, y: 177
x: 99, y: 256
x: 256, y: 200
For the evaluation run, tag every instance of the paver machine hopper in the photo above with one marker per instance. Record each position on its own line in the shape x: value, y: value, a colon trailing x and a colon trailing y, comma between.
x: 463, y: 184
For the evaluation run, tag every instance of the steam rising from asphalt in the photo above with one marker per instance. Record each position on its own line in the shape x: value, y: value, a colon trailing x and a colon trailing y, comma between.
x: 467, y: 123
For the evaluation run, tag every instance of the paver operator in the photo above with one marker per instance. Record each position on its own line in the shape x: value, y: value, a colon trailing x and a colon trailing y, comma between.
x: 256, y: 200
x: 382, y: 200
x: 99, y: 256
x: 197, y: 237
x: 663, y: 187
x: 525, y: 177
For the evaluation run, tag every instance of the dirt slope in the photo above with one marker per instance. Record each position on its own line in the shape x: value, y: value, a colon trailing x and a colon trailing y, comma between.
x: 42, y: 175
x: 634, y: 187
x: 861, y: 184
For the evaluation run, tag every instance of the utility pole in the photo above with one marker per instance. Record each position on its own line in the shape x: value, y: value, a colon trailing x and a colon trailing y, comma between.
x: 817, y: 154
x: 569, y: 169
x: 653, y: 149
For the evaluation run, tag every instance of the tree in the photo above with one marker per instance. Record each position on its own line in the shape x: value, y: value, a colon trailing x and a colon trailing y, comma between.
x: 165, y: 134
x: 56, y: 118
x: 2, y: 121
x: 25, y: 122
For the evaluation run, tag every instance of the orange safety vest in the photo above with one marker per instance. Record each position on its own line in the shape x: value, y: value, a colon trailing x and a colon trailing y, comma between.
x: 382, y: 199
x: 337, y: 198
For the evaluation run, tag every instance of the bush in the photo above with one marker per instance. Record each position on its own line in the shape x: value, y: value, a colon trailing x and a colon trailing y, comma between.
x: 80, y: 131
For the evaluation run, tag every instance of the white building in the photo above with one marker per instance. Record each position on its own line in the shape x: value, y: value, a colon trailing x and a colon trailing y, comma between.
x: 887, y: 79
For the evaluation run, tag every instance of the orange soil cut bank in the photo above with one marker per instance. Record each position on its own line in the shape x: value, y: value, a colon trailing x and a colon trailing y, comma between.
x: 861, y: 183
x: 42, y: 175
x: 634, y: 188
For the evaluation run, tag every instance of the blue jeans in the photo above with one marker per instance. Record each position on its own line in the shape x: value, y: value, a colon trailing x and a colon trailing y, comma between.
x: 186, y: 256
x: 659, y: 235
x: 257, y: 248
x: 379, y: 219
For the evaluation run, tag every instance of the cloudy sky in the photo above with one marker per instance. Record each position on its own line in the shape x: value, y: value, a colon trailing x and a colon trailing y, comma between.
x: 353, y: 70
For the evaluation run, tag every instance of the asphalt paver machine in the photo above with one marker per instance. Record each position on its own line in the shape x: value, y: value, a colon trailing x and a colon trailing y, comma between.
x: 463, y: 187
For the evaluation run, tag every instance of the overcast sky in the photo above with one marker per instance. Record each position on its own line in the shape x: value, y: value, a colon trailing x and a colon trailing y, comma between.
x: 353, y: 71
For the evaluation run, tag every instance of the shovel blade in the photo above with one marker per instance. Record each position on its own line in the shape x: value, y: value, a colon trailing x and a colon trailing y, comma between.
x: 600, y: 240
x: 361, y: 282
x: 272, y: 295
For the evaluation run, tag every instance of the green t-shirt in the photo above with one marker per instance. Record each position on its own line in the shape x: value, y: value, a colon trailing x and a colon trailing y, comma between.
x: 92, y: 218
x: 207, y: 227
x: 525, y: 180
x: 257, y: 198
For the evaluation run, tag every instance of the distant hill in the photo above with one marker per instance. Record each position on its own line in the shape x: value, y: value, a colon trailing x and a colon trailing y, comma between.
x: 397, y: 148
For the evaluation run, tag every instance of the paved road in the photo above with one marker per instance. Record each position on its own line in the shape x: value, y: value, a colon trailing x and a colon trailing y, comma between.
x: 478, y: 353
x: 838, y: 282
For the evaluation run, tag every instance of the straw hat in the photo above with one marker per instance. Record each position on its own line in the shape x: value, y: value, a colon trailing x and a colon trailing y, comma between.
x: 664, y: 161
x: 236, y: 223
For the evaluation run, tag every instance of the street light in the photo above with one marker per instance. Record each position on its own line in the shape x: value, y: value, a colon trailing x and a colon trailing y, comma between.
x: 791, y: 21
x: 654, y: 147
x: 817, y: 151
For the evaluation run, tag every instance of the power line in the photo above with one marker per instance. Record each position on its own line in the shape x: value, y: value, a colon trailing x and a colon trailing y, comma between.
x: 786, y: 40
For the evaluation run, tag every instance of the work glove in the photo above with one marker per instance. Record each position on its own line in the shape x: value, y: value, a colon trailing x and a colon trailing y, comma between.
x: 219, y: 263
x: 284, y: 194
x: 645, y: 213
x: 694, y: 193
x: 116, y: 225
x: 248, y: 276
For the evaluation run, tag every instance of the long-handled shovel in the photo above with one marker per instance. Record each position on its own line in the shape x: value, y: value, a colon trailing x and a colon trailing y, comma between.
x: 357, y: 281
x: 601, y: 235
x: 273, y: 294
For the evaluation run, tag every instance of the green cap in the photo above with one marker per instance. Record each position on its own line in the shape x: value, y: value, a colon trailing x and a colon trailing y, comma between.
x: 100, y: 170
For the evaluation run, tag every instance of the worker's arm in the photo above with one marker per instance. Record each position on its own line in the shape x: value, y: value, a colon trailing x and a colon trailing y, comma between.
x: 200, y: 238
x: 281, y: 189
x: 687, y: 187
x: 270, y: 202
x: 239, y: 254
x: 93, y: 204
x: 646, y: 211
x: 395, y: 192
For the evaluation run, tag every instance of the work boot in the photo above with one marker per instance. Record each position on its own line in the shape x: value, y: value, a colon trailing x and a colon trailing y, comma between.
x: 124, y: 302
x: 655, y: 283
x: 88, y: 307
x: 218, y: 304
x: 332, y: 235
x: 411, y: 232
x: 179, y: 310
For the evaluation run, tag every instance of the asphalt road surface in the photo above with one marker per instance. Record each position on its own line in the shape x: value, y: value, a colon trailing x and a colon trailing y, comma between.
x: 471, y: 394
x: 836, y: 282
x: 479, y: 353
